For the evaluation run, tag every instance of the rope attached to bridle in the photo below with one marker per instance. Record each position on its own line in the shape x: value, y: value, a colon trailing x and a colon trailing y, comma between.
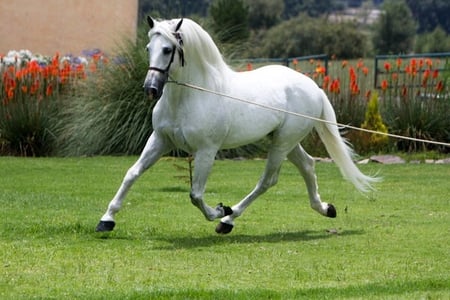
x: 268, y: 107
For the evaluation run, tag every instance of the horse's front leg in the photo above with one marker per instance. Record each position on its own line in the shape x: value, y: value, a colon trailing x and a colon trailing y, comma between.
x: 156, y: 146
x: 203, y: 162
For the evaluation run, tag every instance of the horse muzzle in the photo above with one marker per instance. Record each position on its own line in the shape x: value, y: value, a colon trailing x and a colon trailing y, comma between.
x: 154, y: 85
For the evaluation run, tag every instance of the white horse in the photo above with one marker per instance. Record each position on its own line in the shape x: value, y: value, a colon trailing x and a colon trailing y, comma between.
x: 203, y: 123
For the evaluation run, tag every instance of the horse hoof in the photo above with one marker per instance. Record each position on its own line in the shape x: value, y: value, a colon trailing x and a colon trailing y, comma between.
x: 331, y: 211
x: 105, y: 226
x: 224, y: 228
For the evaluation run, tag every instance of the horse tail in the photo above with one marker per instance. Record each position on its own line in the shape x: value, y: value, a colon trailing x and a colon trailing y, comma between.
x: 339, y: 150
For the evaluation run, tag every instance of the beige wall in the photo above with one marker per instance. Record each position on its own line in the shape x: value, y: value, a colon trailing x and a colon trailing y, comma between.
x: 66, y: 26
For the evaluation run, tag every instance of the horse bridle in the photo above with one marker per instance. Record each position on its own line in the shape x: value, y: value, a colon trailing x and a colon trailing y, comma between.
x: 180, y: 52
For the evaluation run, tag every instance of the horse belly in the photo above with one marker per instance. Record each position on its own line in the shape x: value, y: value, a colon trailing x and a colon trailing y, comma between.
x: 250, y: 125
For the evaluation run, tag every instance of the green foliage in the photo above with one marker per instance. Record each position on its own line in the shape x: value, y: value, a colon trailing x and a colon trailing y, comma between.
x: 369, y: 142
x: 311, y: 8
x: 422, y: 116
x: 436, y: 41
x: 28, y: 126
x: 395, y: 29
x: 230, y: 20
x: 162, y: 247
x: 264, y: 13
x: 307, y: 36
x: 430, y: 14
x: 110, y: 114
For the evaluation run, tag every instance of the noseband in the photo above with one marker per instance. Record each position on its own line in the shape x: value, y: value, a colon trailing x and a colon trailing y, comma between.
x: 180, y: 52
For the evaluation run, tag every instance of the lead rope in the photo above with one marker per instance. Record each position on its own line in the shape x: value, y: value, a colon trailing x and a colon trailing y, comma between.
x: 188, y: 85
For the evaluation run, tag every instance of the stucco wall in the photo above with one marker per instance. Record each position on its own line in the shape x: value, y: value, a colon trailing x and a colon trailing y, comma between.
x: 66, y: 26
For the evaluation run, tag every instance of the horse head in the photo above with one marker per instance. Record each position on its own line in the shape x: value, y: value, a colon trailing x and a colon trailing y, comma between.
x: 165, y: 43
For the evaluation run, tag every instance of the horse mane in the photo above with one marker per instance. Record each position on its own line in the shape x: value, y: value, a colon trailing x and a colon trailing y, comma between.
x: 201, y: 54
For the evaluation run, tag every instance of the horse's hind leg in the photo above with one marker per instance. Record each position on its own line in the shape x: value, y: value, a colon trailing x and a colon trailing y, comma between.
x: 153, y: 150
x: 305, y: 164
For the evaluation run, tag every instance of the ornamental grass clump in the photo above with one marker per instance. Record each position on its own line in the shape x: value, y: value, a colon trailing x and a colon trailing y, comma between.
x: 110, y: 113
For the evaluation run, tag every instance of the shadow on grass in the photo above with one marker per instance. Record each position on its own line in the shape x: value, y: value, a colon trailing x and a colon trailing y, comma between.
x: 424, y: 288
x: 188, y: 242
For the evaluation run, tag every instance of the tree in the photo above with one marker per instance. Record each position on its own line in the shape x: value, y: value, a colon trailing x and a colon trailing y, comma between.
x: 430, y: 14
x: 230, y: 20
x: 436, y: 41
x: 395, y: 29
x: 312, y: 8
x: 304, y: 35
x: 264, y: 13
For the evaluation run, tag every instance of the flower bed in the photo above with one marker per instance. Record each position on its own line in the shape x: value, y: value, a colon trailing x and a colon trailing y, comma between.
x: 31, y: 92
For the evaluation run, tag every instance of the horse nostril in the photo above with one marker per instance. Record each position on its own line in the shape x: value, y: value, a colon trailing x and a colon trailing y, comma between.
x: 153, y: 92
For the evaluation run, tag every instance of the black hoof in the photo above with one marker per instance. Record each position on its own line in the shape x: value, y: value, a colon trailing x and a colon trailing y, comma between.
x: 224, y: 228
x: 331, y: 211
x: 105, y: 226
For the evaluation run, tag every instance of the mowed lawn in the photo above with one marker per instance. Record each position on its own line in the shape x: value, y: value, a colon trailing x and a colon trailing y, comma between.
x: 391, y: 244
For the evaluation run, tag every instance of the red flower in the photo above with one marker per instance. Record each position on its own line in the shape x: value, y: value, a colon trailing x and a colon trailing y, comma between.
x: 435, y: 74
x: 326, y: 82
x: 399, y: 63
x: 335, y: 86
x: 49, y: 90
x: 384, y: 85
x: 440, y: 86
x: 387, y: 66
x: 365, y: 71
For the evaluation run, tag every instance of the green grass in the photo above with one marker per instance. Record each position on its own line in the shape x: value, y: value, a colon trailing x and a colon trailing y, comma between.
x: 392, y: 245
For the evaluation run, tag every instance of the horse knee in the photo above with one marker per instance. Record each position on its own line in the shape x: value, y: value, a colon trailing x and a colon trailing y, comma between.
x: 132, y: 174
x: 195, y: 198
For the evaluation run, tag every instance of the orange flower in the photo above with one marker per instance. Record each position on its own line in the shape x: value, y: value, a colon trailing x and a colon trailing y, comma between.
x: 321, y: 70
x: 249, y: 67
x: 326, y: 82
x: 344, y: 63
x: 404, y: 91
x: 399, y: 63
x: 426, y: 75
x: 435, y: 74
x: 10, y: 93
x: 354, y: 88
x: 352, y: 74
x: 49, y: 90
x: 387, y: 66
x: 384, y: 85
x: 365, y: 71
x: 335, y: 86
x: 440, y: 86
x: 360, y: 64
x: 394, y: 76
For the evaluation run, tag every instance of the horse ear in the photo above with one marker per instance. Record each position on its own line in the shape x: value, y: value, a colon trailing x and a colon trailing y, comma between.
x: 150, y: 22
x: 179, y: 25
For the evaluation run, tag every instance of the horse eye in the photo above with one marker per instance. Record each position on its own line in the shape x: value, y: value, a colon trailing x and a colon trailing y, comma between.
x: 167, y: 50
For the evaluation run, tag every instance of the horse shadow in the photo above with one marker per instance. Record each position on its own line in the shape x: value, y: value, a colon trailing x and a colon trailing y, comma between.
x: 190, y: 242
